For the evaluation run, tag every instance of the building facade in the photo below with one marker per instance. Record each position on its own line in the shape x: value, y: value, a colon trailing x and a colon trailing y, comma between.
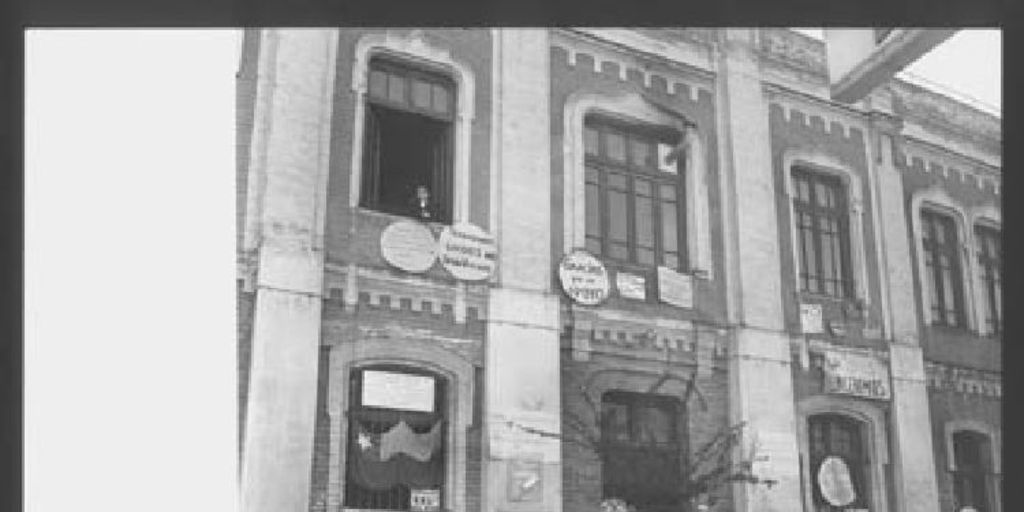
x: 534, y: 269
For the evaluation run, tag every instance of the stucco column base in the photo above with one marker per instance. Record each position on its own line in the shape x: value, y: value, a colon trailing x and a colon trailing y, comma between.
x: 914, y: 463
x: 761, y: 395
x: 522, y: 399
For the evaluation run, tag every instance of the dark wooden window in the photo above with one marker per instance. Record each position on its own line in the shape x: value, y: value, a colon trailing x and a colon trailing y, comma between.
x: 377, y: 476
x: 990, y: 261
x: 838, y: 441
x: 408, y: 141
x: 634, y: 200
x: 942, y: 269
x: 970, y: 478
x: 822, y: 227
x: 642, y: 450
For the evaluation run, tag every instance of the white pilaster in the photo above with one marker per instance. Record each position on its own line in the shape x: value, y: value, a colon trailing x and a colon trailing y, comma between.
x: 295, y: 86
x: 914, y: 469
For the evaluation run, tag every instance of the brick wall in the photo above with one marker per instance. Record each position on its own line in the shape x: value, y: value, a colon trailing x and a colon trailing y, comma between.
x: 567, y: 79
x: 345, y: 230
x: 806, y: 132
x: 581, y: 467
x: 946, y: 406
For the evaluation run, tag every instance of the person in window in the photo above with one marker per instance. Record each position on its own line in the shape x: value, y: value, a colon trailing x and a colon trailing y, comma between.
x: 420, y: 205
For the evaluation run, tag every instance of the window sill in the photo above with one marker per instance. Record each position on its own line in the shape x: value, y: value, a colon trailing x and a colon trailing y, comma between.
x: 370, y: 212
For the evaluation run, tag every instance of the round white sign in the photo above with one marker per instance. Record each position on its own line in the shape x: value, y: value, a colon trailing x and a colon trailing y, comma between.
x: 835, y: 483
x: 584, y: 278
x: 409, y: 246
x: 468, y: 252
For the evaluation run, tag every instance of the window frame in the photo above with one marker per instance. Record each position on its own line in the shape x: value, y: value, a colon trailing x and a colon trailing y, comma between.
x: 861, y: 461
x: 603, y: 166
x: 356, y: 411
x: 674, y: 449
x: 979, y: 477
x: 844, y: 278
x: 930, y: 220
x: 442, y: 186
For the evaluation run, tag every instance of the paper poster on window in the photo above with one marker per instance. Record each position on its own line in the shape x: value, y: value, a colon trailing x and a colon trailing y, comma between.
x: 392, y: 390
x: 631, y: 286
x: 675, y: 288
x: 425, y: 500
x: 526, y: 478
x: 810, y: 319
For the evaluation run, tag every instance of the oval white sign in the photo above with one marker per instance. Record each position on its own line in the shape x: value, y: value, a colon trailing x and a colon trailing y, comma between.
x: 468, y: 252
x: 584, y: 278
x: 835, y: 483
x: 409, y: 246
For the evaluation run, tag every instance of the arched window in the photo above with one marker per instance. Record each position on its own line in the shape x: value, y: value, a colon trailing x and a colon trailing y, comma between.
x: 839, y: 463
x: 822, y: 225
x: 990, y: 264
x: 943, y: 269
x: 971, y: 462
x: 396, y: 437
x: 641, y: 450
x: 408, y: 141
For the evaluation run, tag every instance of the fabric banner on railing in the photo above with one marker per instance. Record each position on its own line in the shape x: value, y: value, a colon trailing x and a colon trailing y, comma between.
x: 398, y: 456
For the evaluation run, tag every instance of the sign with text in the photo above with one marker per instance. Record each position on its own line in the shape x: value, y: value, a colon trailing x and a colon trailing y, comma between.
x: 675, y: 288
x: 810, y: 319
x: 860, y: 375
x: 468, y: 252
x: 425, y: 500
x: 526, y: 479
x: 409, y: 246
x: 584, y: 278
x: 631, y: 286
x: 393, y: 390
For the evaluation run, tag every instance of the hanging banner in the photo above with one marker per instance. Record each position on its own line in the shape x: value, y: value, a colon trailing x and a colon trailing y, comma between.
x: 810, y: 319
x: 675, y: 288
x: 848, y: 373
x: 631, y: 286
x: 835, y: 483
x: 468, y: 252
x: 584, y: 278
x: 409, y: 246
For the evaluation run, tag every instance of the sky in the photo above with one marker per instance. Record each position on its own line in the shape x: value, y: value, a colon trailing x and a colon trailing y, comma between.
x: 968, y: 64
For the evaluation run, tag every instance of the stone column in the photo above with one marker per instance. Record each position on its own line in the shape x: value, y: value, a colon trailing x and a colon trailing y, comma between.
x: 289, y: 166
x: 522, y: 344
x: 760, y: 383
x: 913, y: 457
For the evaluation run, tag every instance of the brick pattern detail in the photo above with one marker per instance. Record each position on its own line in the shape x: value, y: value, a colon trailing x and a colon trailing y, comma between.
x: 957, y: 177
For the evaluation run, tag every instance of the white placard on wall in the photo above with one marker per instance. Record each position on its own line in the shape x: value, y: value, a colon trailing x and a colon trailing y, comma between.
x: 393, y: 390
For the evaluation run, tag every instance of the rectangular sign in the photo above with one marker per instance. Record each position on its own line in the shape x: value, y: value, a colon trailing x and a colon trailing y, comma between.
x: 856, y: 374
x: 810, y: 319
x: 631, y: 286
x: 425, y: 500
x: 393, y: 390
x: 675, y: 288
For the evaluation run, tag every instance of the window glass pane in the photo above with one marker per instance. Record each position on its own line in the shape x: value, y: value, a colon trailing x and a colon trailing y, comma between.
x: 441, y: 101
x: 667, y: 191
x: 590, y: 141
x: 615, y: 146
x: 618, y: 251
x: 617, y: 181
x: 421, y: 94
x: 803, y: 190
x: 617, y: 216
x: 827, y: 271
x: 645, y: 256
x: 640, y: 153
x: 822, y: 192
x: 837, y: 262
x: 948, y: 300
x: 593, y: 211
x: 644, y: 222
x: 669, y: 240
x: 396, y: 88
x: 616, y: 422
x: 940, y: 234
x: 654, y: 425
x: 378, y: 84
x: 593, y: 245
x: 811, y: 260
x: 643, y: 187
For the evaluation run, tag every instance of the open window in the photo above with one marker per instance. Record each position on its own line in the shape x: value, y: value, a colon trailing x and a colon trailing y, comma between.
x: 396, y: 440
x: 407, y: 157
x: 642, y: 450
x: 634, y: 176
